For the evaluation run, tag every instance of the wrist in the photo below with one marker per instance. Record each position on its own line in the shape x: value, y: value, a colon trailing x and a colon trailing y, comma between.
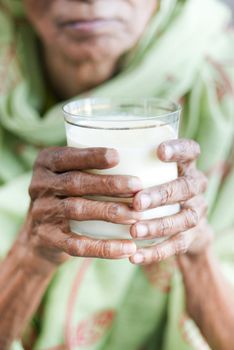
x: 198, y: 258
x: 30, y: 261
x: 195, y: 267
x: 32, y: 253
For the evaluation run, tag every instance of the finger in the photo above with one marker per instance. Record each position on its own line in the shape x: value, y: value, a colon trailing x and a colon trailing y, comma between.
x: 178, y: 244
x: 61, y: 159
x: 181, y: 150
x: 181, y: 189
x: 76, y: 183
x: 76, y: 245
x: 79, y: 184
x: 188, y: 217
x: 47, y: 209
x: 84, y: 209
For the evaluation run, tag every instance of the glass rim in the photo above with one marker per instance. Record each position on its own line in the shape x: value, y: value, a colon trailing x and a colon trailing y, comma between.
x: 76, y: 119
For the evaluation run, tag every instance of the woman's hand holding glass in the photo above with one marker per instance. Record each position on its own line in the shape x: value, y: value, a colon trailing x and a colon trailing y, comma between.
x: 57, y: 189
x: 186, y: 231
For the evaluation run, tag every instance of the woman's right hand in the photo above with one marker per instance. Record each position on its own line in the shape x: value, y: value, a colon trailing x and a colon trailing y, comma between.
x: 57, y: 189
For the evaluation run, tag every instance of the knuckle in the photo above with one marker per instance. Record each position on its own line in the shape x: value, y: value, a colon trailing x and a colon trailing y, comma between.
x: 106, y: 249
x: 83, y: 183
x: 38, y: 206
x: 180, y: 244
x: 41, y: 183
x: 41, y: 158
x: 47, y: 209
x: 35, y: 190
x: 165, y: 224
x: 112, y: 212
x: 158, y: 254
x: 42, y: 232
x: 189, y: 186
x: 57, y: 158
x: 103, y: 249
x: 165, y: 193
x: 35, y: 210
x: 112, y: 183
x: 66, y: 207
x: 74, y: 208
x: 68, y: 180
x: 70, y: 246
x: 35, y: 185
x: 191, y: 218
x: 31, y: 190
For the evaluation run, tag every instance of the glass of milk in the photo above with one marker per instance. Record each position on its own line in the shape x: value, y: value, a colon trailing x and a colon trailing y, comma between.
x: 135, y: 127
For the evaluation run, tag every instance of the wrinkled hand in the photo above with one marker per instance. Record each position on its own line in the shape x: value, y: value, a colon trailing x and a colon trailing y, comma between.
x: 188, y: 230
x: 56, y: 191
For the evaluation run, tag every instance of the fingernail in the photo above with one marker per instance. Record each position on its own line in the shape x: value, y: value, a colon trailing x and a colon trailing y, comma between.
x: 129, y: 249
x: 112, y: 156
x: 145, y: 201
x: 135, y: 184
x: 138, y: 258
x: 168, y: 152
x: 141, y: 230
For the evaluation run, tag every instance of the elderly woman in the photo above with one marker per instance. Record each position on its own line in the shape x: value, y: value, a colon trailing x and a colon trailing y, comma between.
x: 55, y: 50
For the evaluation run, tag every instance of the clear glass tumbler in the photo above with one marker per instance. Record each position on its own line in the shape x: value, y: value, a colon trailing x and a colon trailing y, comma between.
x: 134, y: 127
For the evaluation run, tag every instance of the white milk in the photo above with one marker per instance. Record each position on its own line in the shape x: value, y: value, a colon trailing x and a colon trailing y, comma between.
x: 137, y: 152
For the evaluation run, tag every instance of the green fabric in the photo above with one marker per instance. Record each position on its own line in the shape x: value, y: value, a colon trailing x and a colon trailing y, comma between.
x: 181, y: 56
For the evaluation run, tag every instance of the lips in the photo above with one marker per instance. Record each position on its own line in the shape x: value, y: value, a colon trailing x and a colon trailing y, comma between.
x: 88, y: 28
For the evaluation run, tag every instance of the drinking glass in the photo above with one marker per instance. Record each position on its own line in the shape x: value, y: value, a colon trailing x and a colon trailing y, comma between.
x: 135, y: 127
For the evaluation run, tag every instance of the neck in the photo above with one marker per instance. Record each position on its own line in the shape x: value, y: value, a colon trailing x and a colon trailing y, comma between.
x: 69, y: 78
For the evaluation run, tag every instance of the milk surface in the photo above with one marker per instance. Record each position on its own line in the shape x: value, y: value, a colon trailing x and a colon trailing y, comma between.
x: 137, y: 152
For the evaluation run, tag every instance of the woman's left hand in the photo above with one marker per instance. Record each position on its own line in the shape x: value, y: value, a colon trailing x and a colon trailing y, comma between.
x: 187, y: 231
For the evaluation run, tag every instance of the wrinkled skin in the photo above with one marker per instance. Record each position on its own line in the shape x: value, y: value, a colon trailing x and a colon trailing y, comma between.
x: 59, y: 182
x: 57, y: 187
x: 188, y: 231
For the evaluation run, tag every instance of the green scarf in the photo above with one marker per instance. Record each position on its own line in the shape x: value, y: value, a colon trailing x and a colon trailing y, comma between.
x: 182, y: 57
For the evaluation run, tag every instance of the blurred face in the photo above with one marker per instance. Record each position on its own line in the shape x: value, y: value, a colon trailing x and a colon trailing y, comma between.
x: 89, y: 30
